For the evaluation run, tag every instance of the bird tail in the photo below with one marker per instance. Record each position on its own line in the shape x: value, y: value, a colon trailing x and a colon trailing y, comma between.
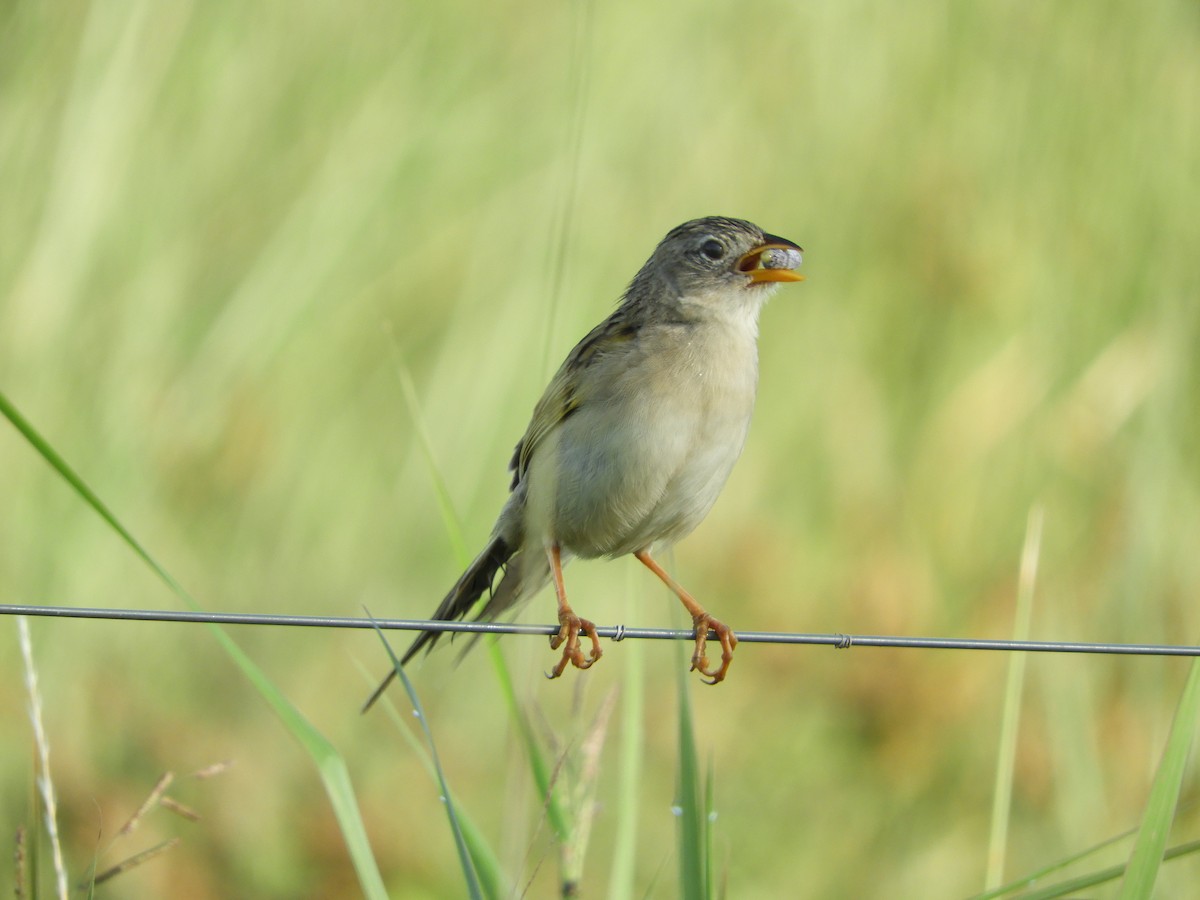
x: 459, y: 601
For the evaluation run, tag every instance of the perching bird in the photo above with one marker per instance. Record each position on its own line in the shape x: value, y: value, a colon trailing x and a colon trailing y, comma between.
x: 635, y: 436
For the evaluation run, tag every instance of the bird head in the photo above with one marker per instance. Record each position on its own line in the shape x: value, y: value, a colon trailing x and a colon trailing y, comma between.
x: 717, y: 257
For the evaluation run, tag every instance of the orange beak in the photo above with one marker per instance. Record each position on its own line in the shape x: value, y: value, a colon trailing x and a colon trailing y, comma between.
x: 777, y: 266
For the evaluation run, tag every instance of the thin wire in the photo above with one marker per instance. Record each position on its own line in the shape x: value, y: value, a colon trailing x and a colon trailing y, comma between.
x: 616, y: 632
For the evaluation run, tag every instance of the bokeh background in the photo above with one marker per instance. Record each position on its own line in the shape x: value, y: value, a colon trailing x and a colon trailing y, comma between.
x: 225, y: 229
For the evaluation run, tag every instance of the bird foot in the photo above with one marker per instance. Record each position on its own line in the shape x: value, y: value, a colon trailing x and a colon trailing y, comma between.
x: 571, y: 626
x: 703, y: 624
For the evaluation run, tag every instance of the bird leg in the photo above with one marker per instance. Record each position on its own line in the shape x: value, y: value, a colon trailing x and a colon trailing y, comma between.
x: 701, y: 621
x: 570, y: 624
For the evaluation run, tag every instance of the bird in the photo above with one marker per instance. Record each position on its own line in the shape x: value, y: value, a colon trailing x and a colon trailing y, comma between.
x: 635, y: 436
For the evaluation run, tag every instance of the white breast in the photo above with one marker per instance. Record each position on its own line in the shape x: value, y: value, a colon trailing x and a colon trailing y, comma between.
x: 645, y: 462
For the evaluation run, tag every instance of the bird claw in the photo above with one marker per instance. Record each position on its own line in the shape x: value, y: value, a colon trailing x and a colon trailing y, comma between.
x: 703, y: 623
x: 571, y: 626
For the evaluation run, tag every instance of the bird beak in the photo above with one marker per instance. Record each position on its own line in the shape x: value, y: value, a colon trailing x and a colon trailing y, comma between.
x: 777, y: 266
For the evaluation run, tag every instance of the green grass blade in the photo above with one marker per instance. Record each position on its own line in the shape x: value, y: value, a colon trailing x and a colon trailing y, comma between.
x: 1006, y: 758
x: 491, y: 874
x: 1147, y: 854
x: 1023, y: 882
x: 629, y: 772
x: 710, y: 819
x: 330, y: 766
x: 539, y: 765
x: 450, y: 519
x: 1072, y: 886
x: 465, y: 859
x: 693, y: 866
x: 492, y: 877
x: 1159, y: 813
x: 68, y: 474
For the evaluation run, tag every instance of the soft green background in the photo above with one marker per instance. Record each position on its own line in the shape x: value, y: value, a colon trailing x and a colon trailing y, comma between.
x: 222, y: 224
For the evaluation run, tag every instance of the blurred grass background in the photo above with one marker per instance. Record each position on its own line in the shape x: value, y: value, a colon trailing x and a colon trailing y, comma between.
x: 220, y: 222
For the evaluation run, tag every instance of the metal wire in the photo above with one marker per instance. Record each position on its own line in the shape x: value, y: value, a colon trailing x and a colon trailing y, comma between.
x: 615, y: 632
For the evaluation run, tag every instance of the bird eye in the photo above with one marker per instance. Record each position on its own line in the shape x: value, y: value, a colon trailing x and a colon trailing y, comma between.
x: 713, y: 249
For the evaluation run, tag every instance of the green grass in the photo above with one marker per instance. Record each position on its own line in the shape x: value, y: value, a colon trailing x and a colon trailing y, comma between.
x: 328, y: 763
x: 221, y: 228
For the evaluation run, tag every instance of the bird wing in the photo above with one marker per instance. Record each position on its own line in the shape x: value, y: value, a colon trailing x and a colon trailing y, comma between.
x: 568, y: 390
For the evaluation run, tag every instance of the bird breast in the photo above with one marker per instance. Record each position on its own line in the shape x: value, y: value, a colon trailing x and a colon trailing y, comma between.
x: 643, y: 459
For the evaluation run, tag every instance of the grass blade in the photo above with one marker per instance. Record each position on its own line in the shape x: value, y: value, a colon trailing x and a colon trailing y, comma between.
x: 540, y: 767
x: 1024, y: 881
x: 464, y: 855
x: 492, y: 878
x: 693, y: 864
x: 1072, y: 886
x: 43, y: 779
x: 629, y: 770
x: 584, y: 780
x: 1147, y: 854
x: 1159, y: 813
x: 330, y: 765
x: 487, y: 866
x: 441, y: 491
x: 1006, y: 759
x: 710, y: 819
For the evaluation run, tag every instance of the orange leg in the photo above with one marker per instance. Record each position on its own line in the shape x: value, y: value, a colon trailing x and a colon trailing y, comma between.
x: 570, y: 624
x: 702, y: 622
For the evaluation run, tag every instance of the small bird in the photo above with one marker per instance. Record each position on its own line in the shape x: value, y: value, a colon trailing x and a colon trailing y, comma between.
x: 636, y: 434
